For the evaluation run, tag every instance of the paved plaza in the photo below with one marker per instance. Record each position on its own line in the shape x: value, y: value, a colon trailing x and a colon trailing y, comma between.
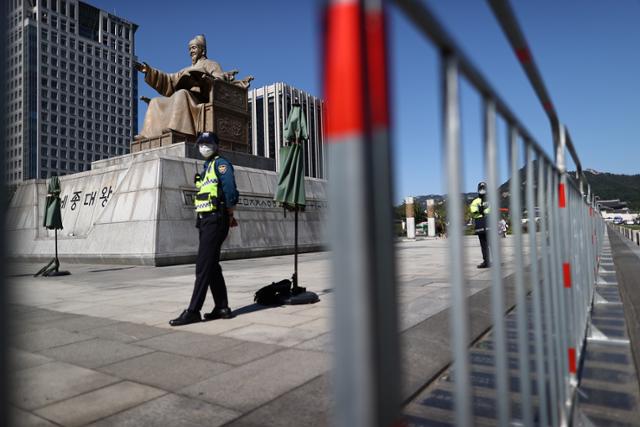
x: 95, y: 347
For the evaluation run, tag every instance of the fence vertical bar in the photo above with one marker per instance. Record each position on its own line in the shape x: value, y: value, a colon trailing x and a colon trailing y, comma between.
x: 515, y: 207
x: 459, y: 311
x: 564, y: 227
x: 581, y: 285
x: 555, y: 292
x: 385, y: 309
x: 559, y: 297
x: 583, y: 268
x: 497, y: 290
x: 362, y: 257
x: 551, y: 336
x: 536, y: 291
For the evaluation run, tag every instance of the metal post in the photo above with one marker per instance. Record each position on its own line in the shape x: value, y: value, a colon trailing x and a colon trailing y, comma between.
x: 515, y: 207
x: 295, y: 250
x: 497, y: 291
x: 564, y: 244
x: 560, y: 306
x: 536, y: 291
x: 459, y: 311
x: 387, y: 345
x: 551, y: 336
x: 366, y: 359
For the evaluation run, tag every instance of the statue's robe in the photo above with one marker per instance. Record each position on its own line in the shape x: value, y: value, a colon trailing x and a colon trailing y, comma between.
x: 181, y: 107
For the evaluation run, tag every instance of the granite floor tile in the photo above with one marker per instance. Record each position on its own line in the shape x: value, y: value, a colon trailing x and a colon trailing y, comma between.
x: 243, y: 353
x: 164, y: 370
x: 251, y: 385
x: 20, y: 418
x: 80, y: 323
x: 126, y: 332
x: 20, y: 359
x: 268, y: 334
x: 95, y: 353
x: 189, y: 344
x: 92, y: 406
x: 171, y: 410
x: 49, y: 383
x: 47, y: 338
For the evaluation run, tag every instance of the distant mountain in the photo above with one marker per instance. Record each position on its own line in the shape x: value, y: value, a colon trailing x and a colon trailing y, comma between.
x: 615, y: 186
x: 603, y: 184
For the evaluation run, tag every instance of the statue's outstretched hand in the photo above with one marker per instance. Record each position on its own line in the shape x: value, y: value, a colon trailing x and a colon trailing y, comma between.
x: 140, y: 66
x: 230, y: 75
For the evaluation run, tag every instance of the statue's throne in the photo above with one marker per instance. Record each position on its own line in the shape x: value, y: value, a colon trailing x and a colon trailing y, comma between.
x: 225, y: 113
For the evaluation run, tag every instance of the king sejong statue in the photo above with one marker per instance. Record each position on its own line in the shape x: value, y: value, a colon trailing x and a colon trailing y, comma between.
x: 181, y: 106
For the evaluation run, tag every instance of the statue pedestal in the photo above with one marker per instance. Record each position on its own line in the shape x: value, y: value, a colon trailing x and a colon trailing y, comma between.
x: 226, y: 113
x: 166, y: 139
x: 138, y: 209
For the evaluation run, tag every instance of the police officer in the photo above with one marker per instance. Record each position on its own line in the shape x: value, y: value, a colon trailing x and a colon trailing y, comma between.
x: 217, y: 195
x: 479, y: 210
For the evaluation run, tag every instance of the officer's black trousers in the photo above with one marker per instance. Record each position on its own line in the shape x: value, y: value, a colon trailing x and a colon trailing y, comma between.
x: 484, y: 247
x: 213, y: 230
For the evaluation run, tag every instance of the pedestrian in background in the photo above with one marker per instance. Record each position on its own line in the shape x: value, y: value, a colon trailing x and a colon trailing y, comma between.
x: 479, y: 209
x: 502, y: 227
x: 214, y: 202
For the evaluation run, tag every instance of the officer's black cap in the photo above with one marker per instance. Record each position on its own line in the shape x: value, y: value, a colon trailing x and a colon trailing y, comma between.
x: 207, y: 138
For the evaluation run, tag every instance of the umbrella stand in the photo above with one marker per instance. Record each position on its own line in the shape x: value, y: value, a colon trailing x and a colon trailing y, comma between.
x: 295, y: 253
x: 299, y: 295
x: 290, y: 191
x: 51, y: 269
x: 54, y: 271
x: 53, y: 221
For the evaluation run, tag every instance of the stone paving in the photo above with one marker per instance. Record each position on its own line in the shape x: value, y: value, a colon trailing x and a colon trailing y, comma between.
x: 95, y: 347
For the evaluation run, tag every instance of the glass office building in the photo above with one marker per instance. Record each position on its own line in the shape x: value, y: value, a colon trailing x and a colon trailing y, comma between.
x: 269, y: 107
x: 72, y: 91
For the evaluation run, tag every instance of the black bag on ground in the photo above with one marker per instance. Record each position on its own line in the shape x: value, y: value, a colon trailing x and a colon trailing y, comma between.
x: 274, y: 293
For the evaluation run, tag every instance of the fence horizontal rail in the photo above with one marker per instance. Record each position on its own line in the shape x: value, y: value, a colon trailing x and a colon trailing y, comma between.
x: 507, y: 20
x: 426, y: 22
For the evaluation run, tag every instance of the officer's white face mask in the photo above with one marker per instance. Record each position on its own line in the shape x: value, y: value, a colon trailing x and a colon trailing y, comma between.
x: 206, y: 151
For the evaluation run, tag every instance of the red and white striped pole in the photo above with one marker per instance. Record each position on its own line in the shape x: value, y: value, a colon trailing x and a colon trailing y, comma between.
x: 367, y: 367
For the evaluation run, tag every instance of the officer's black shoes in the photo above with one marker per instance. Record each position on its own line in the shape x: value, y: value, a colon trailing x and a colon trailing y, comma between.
x: 187, y: 317
x: 219, y: 313
x: 484, y: 265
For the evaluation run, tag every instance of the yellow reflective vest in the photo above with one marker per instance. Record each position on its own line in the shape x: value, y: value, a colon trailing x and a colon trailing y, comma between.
x: 479, y: 218
x: 207, y: 199
x: 474, y: 208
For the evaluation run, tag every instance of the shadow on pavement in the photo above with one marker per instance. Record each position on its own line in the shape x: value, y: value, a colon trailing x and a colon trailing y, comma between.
x: 252, y: 308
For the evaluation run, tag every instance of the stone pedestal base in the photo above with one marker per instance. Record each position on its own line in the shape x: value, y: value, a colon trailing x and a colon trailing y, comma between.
x: 138, y: 209
x: 168, y: 138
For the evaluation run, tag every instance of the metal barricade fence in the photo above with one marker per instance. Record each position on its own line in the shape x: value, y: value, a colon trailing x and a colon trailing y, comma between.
x: 563, y: 245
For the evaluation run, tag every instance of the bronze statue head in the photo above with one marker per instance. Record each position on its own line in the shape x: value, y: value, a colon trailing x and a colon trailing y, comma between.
x: 198, y: 48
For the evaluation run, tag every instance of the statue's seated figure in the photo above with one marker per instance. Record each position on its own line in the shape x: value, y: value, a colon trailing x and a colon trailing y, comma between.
x: 181, y: 106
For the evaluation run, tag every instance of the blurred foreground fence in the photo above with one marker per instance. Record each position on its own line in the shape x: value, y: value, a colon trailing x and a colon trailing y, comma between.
x: 562, y: 257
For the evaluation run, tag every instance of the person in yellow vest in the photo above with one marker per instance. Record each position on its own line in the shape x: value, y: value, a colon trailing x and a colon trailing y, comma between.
x: 479, y: 209
x: 214, y: 202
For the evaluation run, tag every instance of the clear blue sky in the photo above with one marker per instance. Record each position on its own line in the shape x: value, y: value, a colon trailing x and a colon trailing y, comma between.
x: 588, y: 52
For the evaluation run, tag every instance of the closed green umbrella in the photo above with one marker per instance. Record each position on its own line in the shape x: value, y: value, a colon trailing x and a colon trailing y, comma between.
x: 290, y: 192
x: 53, y: 221
x: 52, y: 212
